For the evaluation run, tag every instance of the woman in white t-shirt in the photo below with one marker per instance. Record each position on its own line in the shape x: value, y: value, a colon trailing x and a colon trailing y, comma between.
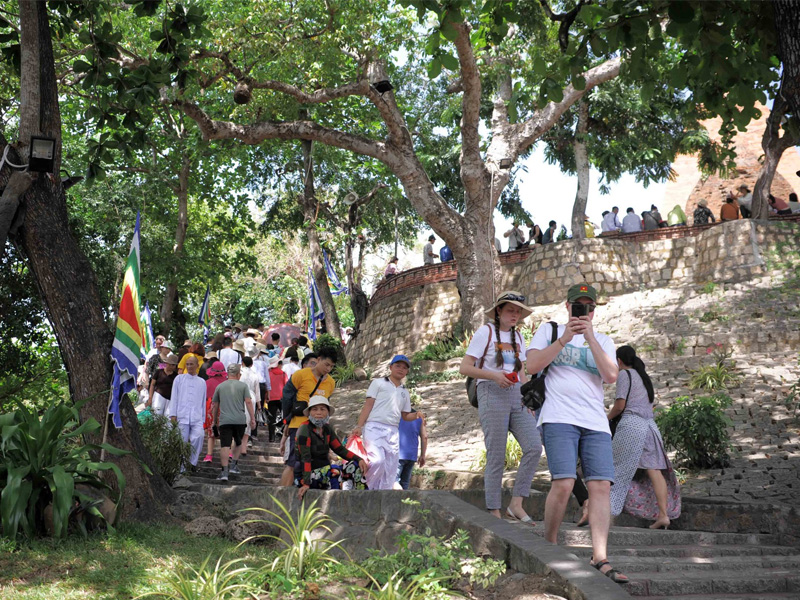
x: 493, y: 359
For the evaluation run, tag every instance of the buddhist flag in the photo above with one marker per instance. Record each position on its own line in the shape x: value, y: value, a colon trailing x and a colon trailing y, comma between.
x: 205, y: 313
x: 147, y: 330
x: 315, y: 310
x: 333, y: 280
x: 128, y: 338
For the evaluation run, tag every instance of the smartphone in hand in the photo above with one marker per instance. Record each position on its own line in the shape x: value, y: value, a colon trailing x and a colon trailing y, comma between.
x: 580, y: 310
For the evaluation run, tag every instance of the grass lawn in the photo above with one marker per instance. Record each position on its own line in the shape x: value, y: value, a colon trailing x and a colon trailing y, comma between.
x: 123, y: 565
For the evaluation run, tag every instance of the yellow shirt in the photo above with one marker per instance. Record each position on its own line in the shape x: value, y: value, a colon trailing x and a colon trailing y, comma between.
x: 305, y: 382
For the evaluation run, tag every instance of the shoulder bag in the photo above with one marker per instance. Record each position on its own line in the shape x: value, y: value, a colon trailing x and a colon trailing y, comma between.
x: 612, y: 423
x: 533, y: 391
x: 472, y: 383
x: 297, y: 406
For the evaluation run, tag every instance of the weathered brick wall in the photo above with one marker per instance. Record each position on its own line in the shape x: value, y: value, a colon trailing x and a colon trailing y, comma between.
x: 420, y: 305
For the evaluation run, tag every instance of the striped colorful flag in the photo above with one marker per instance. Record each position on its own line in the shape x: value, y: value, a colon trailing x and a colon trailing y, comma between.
x: 205, y: 309
x: 333, y: 280
x: 128, y: 338
x: 205, y: 313
x: 147, y: 330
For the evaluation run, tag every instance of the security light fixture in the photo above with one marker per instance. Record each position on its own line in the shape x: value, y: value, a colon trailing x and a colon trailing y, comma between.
x: 43, y: 154
x: 506, y: 163
x: 382, y: 86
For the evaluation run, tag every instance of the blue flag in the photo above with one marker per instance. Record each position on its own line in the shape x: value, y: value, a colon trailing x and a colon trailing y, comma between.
x: 147, y: 330
x: 337, y: 286
x: 205, y: 313
x: 315, y: 310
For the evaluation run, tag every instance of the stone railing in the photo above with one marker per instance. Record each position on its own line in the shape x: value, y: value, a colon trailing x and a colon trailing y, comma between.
x: 448, y: 271
x: 414, y: 308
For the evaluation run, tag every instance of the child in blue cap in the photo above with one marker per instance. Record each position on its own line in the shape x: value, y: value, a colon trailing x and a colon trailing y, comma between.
x: 387, y: 403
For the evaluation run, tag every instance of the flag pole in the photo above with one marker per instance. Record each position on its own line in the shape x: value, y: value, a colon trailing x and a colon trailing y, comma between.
x: 105, y: 425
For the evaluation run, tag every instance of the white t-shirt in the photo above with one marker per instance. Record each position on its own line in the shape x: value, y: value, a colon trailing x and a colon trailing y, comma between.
x: 631, y: 223
x: 574, y: 390
x: 290, y: 369
x: 611, y: 222
x: 478, y: 343
x: 229, y: 357
x: 427, y: 259
x: 390, y: 402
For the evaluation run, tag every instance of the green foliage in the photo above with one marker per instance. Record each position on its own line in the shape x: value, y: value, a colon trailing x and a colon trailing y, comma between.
x: 326, y: 340
x: 678, y: 347
x: 513, y: 455
x: 719, y: 375
x: 163, y: 439
x: 302, y: 555
x: 714, y: 315
x: 697, y: 429
x: 43, y: 461
x: 442, y: 560
x: 708, y: 288
x: 418, y: 587
x: 344, y: 373
x: 230, y: 580
x: 442, y: 349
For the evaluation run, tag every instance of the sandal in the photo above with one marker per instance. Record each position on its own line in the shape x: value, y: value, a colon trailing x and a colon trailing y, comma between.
x: 525, y: 519
x: 612, y: 573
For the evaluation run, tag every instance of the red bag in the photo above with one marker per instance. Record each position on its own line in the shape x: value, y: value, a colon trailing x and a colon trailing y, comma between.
x: 356, y: 445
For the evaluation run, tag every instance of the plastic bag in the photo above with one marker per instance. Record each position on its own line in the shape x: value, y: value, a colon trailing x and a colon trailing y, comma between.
x: 145, y: 415
x: 356, y: 445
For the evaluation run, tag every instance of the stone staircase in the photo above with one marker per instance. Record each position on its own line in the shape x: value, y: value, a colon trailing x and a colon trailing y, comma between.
x: 263, y: 465
x: 689, y: 565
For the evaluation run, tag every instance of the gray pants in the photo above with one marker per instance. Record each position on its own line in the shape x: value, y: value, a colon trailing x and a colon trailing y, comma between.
x: 500, y: 412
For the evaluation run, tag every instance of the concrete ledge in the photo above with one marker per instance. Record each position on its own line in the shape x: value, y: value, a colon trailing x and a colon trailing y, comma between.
x: 375, y: 518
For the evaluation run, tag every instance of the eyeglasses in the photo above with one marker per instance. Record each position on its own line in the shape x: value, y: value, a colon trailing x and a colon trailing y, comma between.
x: 512, y: 297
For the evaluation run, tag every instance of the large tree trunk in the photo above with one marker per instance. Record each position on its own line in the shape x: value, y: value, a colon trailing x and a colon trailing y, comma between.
x: 787, y: 25
x: 582, y: 167
x: 65, y: 278
x: 182, y: 191
x: 309, y: 204
x: 774, y: 146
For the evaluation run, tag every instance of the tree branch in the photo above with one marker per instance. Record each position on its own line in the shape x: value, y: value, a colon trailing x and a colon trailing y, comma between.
x: 292, y: 130
x: 470, y: 101
x: 566, y: 19
x: 358, y: 88
x: 528, y: 132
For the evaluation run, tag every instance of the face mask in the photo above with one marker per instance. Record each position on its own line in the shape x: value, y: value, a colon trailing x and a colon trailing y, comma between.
x: 319, y: 422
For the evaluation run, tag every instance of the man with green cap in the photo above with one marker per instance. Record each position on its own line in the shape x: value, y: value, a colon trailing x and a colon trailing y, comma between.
x: 573, y: 420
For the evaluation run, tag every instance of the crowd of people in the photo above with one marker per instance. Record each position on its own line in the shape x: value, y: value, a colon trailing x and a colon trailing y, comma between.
x: 737, y: 205
x: 571, y: 422
x: 244, y: 378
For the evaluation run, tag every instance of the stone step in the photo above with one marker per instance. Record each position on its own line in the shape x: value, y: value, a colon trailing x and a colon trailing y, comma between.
x: 638, y: 537
x: 690, y: 551
x: 756, y: 596
x: 250, y: 459
x: 660, y: 564
x: 263, y: 472
x: 235, y: 480
x: 751, y: 581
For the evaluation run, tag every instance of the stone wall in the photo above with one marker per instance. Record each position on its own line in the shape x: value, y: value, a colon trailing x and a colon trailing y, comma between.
x: 419, y: 306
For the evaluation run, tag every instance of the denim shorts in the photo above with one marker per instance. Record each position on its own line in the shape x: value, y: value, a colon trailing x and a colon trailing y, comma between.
x: 564, y: 442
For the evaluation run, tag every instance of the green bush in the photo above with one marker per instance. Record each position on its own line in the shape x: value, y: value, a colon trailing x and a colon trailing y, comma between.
x: 718, y: 376
x: 442, y: 349
x: 164, y: 441
x: 42, y: 462
x: 696, y: 428
x: 513, y: 455
x: 442, y: 560
x: 326, y: 340
x: 343, y: 373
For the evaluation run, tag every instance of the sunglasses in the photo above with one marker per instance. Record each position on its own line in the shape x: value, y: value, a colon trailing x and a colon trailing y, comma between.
x: 512, y: 297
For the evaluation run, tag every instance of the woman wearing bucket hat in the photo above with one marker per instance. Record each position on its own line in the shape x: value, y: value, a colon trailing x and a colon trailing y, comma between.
x: 315, y: 439
x: 493, y: 359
